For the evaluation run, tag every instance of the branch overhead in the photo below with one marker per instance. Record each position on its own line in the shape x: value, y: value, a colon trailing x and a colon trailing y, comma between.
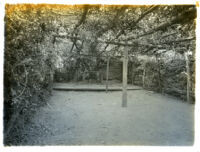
x: 183, y: 18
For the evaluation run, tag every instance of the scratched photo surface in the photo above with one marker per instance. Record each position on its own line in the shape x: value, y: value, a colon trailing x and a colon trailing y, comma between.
x: 99, y: 74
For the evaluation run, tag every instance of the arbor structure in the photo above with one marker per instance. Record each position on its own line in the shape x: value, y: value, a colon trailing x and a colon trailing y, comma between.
x: 40, y: 39
x: 141, y: 29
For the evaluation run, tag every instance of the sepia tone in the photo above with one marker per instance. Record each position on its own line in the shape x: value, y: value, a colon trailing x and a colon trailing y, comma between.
x: 99, y: 74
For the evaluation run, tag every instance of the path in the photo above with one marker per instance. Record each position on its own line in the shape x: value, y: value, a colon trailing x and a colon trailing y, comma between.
x: 97, y: 118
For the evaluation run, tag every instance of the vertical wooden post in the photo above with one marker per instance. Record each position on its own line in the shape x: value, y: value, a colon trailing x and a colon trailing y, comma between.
x: 143, y: 76
x: 52, y: 80
x: 159, y: 74
x: 77, y: 75
x: 125, y: 68
x: 132, y: 73
x: 107, y: 73
x: 188, y: 76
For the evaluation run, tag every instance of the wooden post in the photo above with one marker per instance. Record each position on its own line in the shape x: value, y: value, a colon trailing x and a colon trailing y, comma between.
x: 143, y: 76
x: 125, y: 68
x: 51, y: 81
x: 107, y: 73
x: 188, y: 76
x: 132, y: 73
x: 159, y: 74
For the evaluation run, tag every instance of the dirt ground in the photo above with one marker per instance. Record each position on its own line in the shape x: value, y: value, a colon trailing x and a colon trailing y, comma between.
x: 97, y: 118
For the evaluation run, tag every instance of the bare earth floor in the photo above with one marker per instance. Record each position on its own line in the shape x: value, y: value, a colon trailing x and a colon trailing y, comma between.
x: 97, y: 118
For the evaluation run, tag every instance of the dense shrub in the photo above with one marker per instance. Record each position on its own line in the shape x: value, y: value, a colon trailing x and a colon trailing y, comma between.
x: 28, y: 66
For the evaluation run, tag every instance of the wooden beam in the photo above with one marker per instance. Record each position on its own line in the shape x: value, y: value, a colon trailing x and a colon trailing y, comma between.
x: 125, y: 69
x: 123, y: 43
x: 135, y: 42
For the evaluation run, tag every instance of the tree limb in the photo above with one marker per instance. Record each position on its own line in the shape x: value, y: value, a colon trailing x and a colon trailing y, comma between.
x: 133, y: 43
x: 185, y: 17
x: 133, y: 24
x: 83, y: 17
x: 151, y: 9
x: 82, y: 20
x: 180, y: 40
x: 166, y: 35
x: 114, y: 21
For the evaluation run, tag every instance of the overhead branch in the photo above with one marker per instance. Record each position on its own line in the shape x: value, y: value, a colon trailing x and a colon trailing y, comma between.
x: 21, y: 18
x: 134, y: 43
x: 133, y: 23
x: 167, y: 35
x: 118, y: 14
x: 74, y: 42
x: 81, y: 21
x: 180, y: 40
x: 184, y: 17
x: 61, y: 14
x: 83, y: 17
x: 114, y: 21
x: 79, y: 48
x: 104, y: 50
x: 150, y: 10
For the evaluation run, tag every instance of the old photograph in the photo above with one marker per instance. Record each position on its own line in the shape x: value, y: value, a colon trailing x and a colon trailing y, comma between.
x: 99, y: 75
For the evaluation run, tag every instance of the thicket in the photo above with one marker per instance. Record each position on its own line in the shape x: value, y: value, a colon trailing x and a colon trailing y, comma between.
x: 28, y: 67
